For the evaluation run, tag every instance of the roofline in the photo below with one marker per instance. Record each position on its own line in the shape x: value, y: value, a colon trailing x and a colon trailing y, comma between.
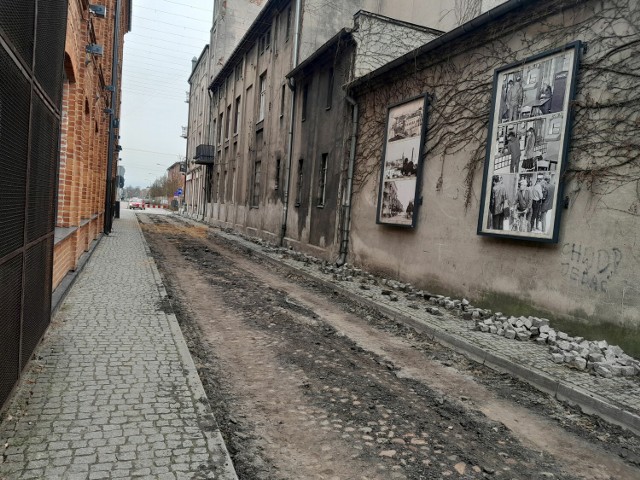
x: 396, y: 21
x: 255, y: 29
x: 464, y: 29
x: 343, y: 34
x: 195, y: 67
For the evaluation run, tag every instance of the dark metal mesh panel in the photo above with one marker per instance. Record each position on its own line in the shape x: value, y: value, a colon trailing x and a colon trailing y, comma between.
x: 14, y: 129
x: 16, y: 22
x: 50, y: 38
x: 37, y: 295
x: 11, y: 285
x: 42, y: 171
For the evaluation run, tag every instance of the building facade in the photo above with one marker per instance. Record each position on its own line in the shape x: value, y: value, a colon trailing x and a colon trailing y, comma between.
x: 262, y: 175
x: 86, y: 102
x: 55, y: 62
x: 591, y: 274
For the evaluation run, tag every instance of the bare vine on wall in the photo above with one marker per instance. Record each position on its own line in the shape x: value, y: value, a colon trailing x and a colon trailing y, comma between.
x: 604, y: 153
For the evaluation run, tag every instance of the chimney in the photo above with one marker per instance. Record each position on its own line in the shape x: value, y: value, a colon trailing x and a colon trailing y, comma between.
x: 194, y: 61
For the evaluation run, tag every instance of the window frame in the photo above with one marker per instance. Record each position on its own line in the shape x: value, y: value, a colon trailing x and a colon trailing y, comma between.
x: 262, y: 96
x: 322, y: 180
x: 300, y: 184
x: 255, y: 189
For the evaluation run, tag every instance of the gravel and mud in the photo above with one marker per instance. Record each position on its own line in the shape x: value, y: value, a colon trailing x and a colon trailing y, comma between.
x: 308, y: 384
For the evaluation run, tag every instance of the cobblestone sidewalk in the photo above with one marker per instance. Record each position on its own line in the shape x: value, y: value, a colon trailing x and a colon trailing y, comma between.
x: 112, y: 391
x: 615, y: 399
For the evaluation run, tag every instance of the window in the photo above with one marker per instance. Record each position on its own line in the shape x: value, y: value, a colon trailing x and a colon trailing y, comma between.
x: 236, y: 116
x: 255, y: 198
x: 282, y: 95
x: 275, y: 34
x: 322, y: 180
x: 238, y: 72
x: 233, y: 185
x: 277, y: 179
x: 299, y: 186
x: 329, y: 89
x: 263, y: 94
x: 215, y: 131
x: 217, y: 186
x: 287, y: 33
x: 223, y: 187
x: 226, y: 126
x: 208, y: 183
x: 220, y: 132
x: 265, y: 42
x: 305, y: 96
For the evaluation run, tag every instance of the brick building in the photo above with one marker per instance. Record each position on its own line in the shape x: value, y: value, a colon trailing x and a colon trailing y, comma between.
x: 86, y: 114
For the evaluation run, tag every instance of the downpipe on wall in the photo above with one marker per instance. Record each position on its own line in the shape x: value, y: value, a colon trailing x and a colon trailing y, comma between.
x: 292, y: 111
x: 346, y: 204
x: 108, y: 201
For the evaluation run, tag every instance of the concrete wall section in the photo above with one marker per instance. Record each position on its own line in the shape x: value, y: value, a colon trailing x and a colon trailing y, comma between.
x: 593, y: 273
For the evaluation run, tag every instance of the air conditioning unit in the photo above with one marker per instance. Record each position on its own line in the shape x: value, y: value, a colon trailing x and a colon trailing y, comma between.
x: 204, y: 155
x: 100, y: 11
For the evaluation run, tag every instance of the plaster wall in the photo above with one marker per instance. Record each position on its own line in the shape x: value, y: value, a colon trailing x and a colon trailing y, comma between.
x: 379, y: 42
x: 231, y: 20
x: 593, y: 273
x: 321, y: 20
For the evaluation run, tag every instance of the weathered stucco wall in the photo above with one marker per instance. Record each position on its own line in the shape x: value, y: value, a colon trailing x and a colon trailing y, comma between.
x: 593, y: 273
x: 381, y: 41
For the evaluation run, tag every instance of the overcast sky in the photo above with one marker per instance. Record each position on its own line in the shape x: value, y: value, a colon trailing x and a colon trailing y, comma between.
x: 165, y: 36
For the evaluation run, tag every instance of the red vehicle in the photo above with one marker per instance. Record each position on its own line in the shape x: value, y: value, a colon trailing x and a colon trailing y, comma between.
x: 136, y: 203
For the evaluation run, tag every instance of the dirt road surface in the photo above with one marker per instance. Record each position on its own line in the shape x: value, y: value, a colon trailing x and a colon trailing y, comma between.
x: 307, y: 384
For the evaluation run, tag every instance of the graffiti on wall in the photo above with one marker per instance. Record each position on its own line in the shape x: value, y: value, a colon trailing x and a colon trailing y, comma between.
x: 589, y: 267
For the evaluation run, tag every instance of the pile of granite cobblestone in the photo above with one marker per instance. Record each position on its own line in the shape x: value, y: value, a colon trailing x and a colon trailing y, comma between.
x: 597, y: 357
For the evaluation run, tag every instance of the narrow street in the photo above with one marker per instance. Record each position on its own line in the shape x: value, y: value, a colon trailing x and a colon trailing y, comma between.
x: 306, y: 384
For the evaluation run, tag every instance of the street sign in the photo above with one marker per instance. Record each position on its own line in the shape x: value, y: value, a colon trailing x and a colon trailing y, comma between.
x: 179, y: 192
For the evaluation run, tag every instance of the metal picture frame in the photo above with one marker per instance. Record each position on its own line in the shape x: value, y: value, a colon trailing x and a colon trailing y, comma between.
x: 401, y: 169
x: 529, y: 132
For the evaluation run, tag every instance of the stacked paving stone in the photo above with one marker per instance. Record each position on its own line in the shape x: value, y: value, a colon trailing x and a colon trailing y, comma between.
x: 575, y: 352
x: 596, y: 356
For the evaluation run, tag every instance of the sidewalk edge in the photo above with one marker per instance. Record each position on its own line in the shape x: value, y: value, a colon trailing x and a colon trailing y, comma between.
x: 215, y: 442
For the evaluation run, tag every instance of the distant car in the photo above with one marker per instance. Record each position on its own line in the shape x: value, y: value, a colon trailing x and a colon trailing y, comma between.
x: 135, y: 203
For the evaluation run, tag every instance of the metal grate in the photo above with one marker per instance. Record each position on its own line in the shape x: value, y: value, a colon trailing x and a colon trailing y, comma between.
x: 14, y: 128
x: 42, y: 171
x: 50, y: 39
x: 37, y: 296
x: 29, y: 128
x: 16, y: 23
x: 11, y: 284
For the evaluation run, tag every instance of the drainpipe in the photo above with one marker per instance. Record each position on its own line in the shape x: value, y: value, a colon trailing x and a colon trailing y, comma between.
x: 346, y: 205
x: 292, y: 111
x: 108, y: 201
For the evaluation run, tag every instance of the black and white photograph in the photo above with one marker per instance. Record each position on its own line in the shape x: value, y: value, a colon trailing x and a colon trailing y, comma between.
x: 398, y: 201
x: 401, y: 164
x: 528, y: 144
x: 405, y: 121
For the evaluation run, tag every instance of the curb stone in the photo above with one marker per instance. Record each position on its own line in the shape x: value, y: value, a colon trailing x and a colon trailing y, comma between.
x: 215, y: 442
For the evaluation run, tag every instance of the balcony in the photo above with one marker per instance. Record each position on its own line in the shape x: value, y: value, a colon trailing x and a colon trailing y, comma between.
x: 204, y: 155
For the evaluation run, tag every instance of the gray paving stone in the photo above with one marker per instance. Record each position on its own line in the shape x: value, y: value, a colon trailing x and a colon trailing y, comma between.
x: 109, y: 369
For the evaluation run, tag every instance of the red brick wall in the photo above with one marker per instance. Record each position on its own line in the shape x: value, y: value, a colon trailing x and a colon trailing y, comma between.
x: 84, y: 132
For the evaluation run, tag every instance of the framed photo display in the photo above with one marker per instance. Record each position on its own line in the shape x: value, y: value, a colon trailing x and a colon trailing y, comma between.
x: 527, y: 146
x: 402, y: 163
